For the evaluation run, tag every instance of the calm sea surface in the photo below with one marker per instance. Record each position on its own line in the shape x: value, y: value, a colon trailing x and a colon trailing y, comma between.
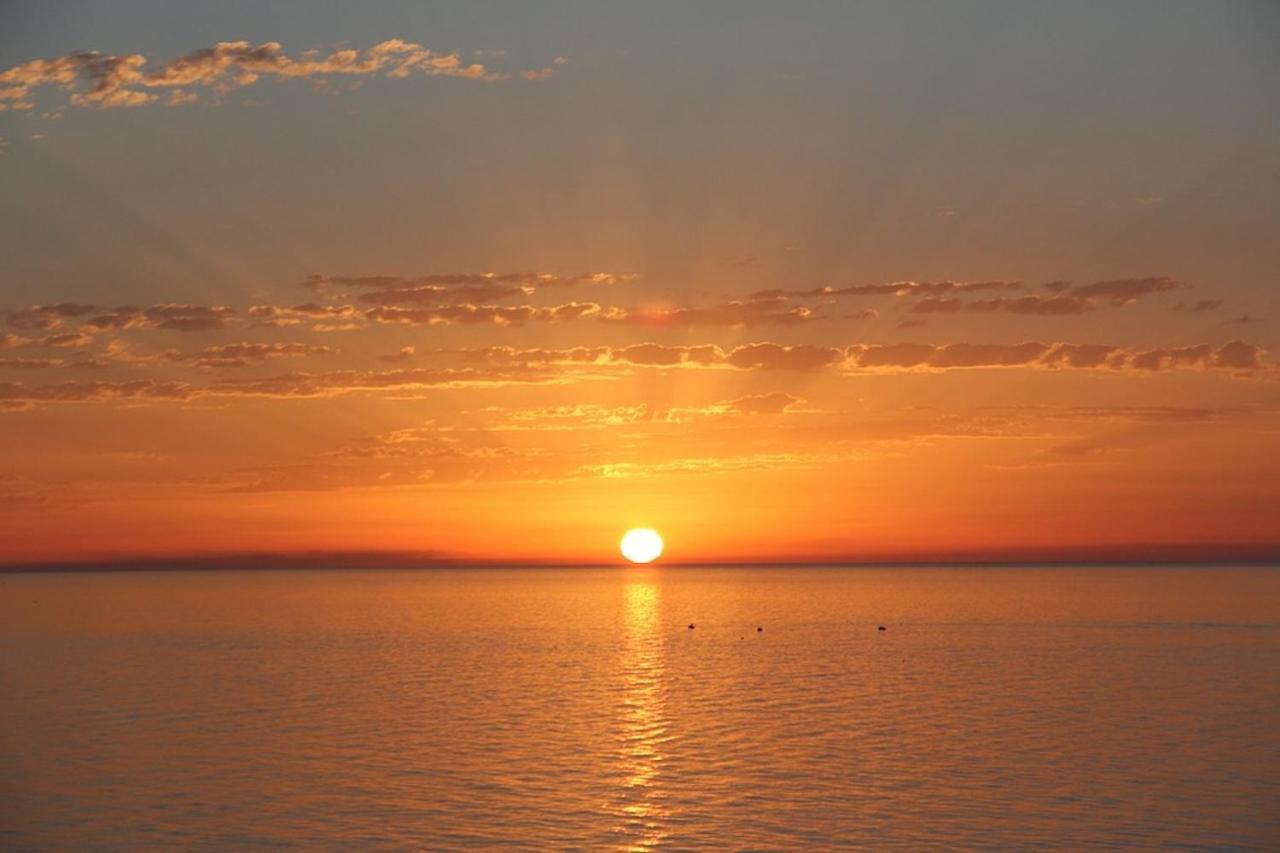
x: 1056, y: 707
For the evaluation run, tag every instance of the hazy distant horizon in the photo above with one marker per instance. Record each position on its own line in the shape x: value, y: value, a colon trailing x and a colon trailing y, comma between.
x: 1170, y: 556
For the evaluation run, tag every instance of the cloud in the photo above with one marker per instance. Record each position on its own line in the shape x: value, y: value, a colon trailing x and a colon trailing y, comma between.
x: 1068, y: 299
x: 1134, y: 414
x: 93, y: 79
x: 1037, y: 305
x: 30, y: 363
x: 68, y: 339
x: 490, y: 315
x: 1084, y: 356
x: 324, y: 318
x: 762, y: 356
x: 759, y: 310
x: 492, y: 366
x: 986, y: 355
x: 18, y: 395
x: 1052, y: 307
x: 436, y: 304
x: 417, y: 457
x: 459, y: 299
x: 715, y: 464
x: 763, y: 404
x: 22, y: 363
x: 174, y: 316
x: 403, y: 354
x: 907, y: 288
x: 1199, y: 305
x: 37, y: 317
x: 581, y: 416
x: 341, y: 382
x: 1235, y: 355
x: 590, y: 416
x: 945, y: 297
x: 661, y: 355
x: 243, y: 354
x: 1123, y: 291
x: 456, y: 288
x: 512, y: 355
x: 770, y: 356
x: 546, y: 71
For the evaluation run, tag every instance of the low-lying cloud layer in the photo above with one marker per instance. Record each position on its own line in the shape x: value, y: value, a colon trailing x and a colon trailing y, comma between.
x: 134, y: 355
x: 504, y: 365
x: 1235, y: 355
x: 949, y: 297
x: 516, y: 299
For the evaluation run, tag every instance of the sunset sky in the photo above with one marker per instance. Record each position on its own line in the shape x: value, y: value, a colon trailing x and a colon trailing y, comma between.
x: 497, y: 281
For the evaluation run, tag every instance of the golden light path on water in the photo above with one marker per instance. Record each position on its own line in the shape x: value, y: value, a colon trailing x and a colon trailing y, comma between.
x: 642, y: 721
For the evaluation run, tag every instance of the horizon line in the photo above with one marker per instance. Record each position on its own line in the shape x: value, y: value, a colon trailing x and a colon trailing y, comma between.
x: 1133, y: 555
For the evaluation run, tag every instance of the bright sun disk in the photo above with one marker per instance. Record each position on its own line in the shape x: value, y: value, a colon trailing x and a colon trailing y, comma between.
x: 641, y: 545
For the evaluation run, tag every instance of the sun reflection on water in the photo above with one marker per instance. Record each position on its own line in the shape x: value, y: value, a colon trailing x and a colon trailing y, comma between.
x: 642, y: 720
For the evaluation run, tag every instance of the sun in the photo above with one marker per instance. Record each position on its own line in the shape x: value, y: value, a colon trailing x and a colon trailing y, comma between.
x: 641, y: 545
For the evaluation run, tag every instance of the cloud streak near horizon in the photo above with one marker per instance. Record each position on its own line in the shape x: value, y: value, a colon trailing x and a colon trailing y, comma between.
x: 505, y: 365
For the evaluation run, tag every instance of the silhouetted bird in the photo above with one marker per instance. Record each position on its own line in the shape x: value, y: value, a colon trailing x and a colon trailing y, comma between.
x: 690, y: 626
x: 881, y: 628
x: 758, y: 630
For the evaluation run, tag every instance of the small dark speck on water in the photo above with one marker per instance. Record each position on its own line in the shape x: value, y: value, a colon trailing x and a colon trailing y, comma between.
x: 690, y: 626
x: 758, y: 630
x: 881, y: 628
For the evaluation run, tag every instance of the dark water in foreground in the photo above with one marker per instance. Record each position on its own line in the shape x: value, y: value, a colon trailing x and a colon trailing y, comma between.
x: 1130, y: 707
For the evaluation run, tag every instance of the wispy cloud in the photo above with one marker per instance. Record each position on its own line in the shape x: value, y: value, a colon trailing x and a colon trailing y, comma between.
x: 171, y: 316
x: 455, y: 288
x: 244, y: 354
x: 1235, y: 355
x: 93, y: 79
x: 1199, y: 305
x: 949, y: 297
x: 488, y: 315
x: 906, y: 288
x: 755, y: 311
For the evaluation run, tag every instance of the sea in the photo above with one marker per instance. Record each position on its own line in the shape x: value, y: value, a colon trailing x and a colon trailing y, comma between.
x: 726, y: 708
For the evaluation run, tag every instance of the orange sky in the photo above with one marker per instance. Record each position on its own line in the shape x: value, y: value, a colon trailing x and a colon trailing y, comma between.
x: 504, y: 297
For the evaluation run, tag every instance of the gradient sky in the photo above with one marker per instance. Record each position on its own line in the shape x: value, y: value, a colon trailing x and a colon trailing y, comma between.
x: 500, y: 280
